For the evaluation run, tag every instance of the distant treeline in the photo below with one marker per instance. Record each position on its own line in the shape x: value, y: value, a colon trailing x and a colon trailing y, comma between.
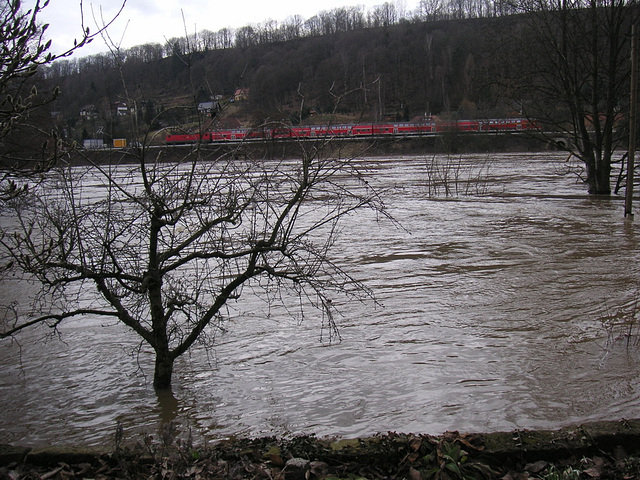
x: 328, y: 22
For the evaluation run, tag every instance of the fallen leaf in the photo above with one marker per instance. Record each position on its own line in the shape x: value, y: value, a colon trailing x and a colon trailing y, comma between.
x: 51, y: 474
x: 536, y: 467
x: 414, y: 474
x: 415, y: 443
x: 593, y: 472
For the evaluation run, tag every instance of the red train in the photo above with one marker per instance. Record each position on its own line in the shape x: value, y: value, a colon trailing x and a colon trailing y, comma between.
x: 355, y: 131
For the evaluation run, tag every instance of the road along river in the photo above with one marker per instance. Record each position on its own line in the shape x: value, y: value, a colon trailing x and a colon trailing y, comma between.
x: 496, y: 304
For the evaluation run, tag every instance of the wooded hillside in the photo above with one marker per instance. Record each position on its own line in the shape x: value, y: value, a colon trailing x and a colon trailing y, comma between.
x: 395, y: 72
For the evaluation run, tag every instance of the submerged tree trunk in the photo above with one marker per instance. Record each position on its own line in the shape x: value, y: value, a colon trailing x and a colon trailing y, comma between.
x: 163, y: 370
x: 600, y: 181
x: 598, y: 176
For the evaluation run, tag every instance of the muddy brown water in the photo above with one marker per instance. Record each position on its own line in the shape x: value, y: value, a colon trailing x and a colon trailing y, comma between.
x: 494, y: 302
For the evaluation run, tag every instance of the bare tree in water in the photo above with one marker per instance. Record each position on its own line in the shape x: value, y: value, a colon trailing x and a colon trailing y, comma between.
x: 165, y: 245
x: 571, y: 72
x: 164, y: 239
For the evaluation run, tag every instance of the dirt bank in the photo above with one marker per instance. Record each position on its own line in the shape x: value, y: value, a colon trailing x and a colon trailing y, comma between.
x: 595, y: 450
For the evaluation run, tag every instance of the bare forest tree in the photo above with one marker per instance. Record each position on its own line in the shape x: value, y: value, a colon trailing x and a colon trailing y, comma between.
x: 573, y: 77
x: 23, y: 52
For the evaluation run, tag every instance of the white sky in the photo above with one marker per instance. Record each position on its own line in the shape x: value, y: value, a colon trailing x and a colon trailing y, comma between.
x: 154, y: 21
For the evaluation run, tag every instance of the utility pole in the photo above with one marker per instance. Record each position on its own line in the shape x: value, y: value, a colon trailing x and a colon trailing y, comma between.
x: 628, y: 212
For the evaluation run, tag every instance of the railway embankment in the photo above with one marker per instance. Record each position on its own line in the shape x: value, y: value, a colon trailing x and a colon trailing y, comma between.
x: 453, y: 144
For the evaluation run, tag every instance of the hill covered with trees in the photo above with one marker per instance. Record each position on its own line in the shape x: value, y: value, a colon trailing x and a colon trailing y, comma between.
x: 378, y: 71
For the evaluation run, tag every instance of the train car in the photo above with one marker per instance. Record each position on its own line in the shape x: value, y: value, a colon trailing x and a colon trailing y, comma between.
x: 401, y: 128
x: 426, y: 128
x: 255, y: 133
x: 527, y: 124
x: 278, y: 132
x: 382, y: 129
x: 301, y: 132
x: 362, y: 130
x: 457, y: 126
x: 318, y: 131
x: 220, y: 135
x: 182, y: 139
x: 497, y: 125
x: 467, y: 125
x: 238, y: 134
x: 506, y: 125
x: 339, y: 130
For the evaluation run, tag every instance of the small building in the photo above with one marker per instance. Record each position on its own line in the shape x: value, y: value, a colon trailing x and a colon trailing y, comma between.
x: 241, y: 94
x: 211, y: 108
x: 89, y: 112
x: 93, y: 144
x: 120, y: 109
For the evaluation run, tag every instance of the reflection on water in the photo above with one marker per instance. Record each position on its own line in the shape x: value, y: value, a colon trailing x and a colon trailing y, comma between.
x: 168, y: 406
x: 490, y: 318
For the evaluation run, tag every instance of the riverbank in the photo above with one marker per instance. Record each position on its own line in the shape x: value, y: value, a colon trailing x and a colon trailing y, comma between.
x: 603, y: 450
x: 446, y: 144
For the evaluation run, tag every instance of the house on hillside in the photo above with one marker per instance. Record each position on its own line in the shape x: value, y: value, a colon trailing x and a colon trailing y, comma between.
x: 120, y: 109
x: 241, y: 94
x: 210, y: 109
x: 89, y: 112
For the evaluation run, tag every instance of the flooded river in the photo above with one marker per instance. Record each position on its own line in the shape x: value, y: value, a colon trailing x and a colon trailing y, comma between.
x: 496, y: 304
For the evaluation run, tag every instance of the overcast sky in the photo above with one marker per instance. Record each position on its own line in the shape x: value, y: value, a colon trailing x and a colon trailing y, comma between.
x: 149, y: 21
